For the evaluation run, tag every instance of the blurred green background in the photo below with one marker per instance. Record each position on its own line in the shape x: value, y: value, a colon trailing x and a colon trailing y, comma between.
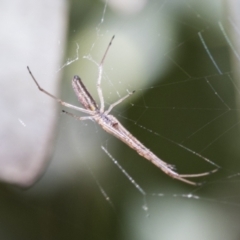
x: 182, y: 99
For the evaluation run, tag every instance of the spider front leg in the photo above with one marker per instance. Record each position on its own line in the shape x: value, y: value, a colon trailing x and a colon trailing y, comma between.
x: 57, y: 99
x: 99, y: 89
x: 100, y: 71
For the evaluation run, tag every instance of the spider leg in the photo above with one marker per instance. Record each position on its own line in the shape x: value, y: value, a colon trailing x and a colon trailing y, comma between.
x: 100, y: 70
x: 58, y: 99
x: 198, y: 174
x: 118, y: 101
x: 77, y: 117
x: 182, y: 177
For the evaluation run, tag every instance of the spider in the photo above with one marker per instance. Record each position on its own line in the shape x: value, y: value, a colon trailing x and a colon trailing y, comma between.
x: 110, y: 124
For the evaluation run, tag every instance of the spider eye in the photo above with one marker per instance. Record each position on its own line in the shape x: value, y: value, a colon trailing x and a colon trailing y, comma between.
x: 76, y: 78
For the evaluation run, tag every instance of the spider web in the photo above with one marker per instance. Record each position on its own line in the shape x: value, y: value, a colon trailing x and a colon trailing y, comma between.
x: 176, y: 55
